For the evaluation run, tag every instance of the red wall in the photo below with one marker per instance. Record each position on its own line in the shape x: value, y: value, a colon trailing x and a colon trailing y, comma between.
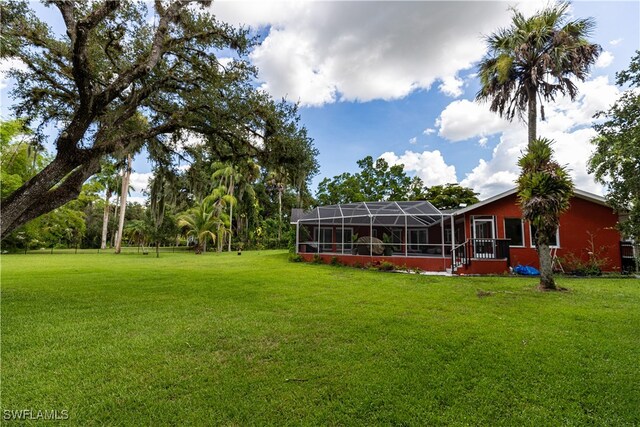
x: 582, y: 217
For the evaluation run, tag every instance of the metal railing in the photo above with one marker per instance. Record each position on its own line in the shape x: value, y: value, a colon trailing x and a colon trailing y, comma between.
x: 480, y: 249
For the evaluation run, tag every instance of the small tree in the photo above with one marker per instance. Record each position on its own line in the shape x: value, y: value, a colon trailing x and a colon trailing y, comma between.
x: 544, y: 192
x: 201, y: 222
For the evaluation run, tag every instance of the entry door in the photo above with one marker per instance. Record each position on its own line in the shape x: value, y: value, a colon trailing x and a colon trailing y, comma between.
x: 484, y: 235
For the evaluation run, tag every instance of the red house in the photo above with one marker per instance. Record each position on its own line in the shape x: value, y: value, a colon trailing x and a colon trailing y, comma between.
x: 488, y: 237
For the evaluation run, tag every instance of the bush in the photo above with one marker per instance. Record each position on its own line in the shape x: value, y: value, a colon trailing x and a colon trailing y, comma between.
x: 578, y: 267
x: 335, y: 260
x: 385, y: 266
x: 295, y: 258
x: 317, y: 259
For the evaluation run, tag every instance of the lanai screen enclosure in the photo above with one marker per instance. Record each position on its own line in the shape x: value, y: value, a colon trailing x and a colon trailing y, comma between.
x: 407, y: 229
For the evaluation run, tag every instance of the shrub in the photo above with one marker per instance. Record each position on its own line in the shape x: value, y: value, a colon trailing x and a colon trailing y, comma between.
x: 335, y: 260
x: 579, y: 267
x: 317, y: 259
x: 385, y: 266
x: 295, y: 258
x: 357, y: 265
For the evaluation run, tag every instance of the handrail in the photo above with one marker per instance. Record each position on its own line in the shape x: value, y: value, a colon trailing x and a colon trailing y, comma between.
x: 480, y: 249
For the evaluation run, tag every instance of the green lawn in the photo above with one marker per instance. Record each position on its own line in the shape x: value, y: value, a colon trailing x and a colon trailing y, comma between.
x: 255, y: 340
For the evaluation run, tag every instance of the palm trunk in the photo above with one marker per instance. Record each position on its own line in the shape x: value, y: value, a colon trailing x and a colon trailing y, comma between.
x: 123, y: 203
x: 105, y: 219
x: 546, y: 269
x: 532, y: 115
x: 115, y: 215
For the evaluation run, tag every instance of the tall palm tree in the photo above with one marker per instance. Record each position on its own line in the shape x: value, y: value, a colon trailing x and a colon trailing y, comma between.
x: 278, y: 178
x: 201, y: 222
x: 535, y: 57
x: 236, y: 177
x: 107, y: 180
x: 544, y: 192
x: 126, y: 175
x: 538, y: 57
x: 220, y: 199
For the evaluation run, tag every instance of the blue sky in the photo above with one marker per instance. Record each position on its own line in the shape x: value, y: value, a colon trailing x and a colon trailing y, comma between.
x: 396, y: 79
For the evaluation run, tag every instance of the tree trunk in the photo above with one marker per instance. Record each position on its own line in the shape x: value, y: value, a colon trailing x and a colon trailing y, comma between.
x: 115, y: 226
x: 58, y: 183
x: 546, y: 268
x: 157, y: 249
x: 123, y: 203
x: 230, y: 213
x: 532, y: 115
x: 279, y: 213
x: 105, y: 219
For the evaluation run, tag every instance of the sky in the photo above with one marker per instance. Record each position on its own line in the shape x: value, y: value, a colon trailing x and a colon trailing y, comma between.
x: 397, y: 80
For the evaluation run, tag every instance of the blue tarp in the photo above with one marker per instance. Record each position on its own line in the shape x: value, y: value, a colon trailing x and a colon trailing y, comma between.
x: 526, y: 270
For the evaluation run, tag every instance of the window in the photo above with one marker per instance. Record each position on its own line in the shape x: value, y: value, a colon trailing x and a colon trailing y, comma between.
x: 513, y: 230
x: 417, y: 238
x: 555, y: 239
x: 325, y: 240
x: 447, y: 235
x: 348, y: 237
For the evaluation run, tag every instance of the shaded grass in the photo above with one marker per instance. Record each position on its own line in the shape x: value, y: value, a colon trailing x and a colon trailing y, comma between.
x: 253, y: 339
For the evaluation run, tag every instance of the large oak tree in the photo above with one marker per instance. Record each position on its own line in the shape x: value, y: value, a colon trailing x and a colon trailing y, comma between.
x: 126, y: 73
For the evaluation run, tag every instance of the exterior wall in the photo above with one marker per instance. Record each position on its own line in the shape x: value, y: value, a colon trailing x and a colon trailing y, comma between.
x: 494, y: 266
x: 423, y: 263
x: 582, y: 218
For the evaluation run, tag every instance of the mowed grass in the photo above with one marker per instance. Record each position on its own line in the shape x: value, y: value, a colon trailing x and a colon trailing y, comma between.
x: 257, y: 340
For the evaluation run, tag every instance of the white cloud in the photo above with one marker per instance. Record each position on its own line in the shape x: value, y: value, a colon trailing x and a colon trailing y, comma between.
x: 137, y: 199
x: 604, y: 60
x: 430, y: 166
x: 429, y: 131
x: 323, y: 52
x: 7, y: 64
x: 187, y: 139
x: 568, y: 124
x: 451, y: 86
x: 615, y: 42
x: 464, y: 119
x: 413, y: 140
x: 140, y: 181
x: 482, y: 142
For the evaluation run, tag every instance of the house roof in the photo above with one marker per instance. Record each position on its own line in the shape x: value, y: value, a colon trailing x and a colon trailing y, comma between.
x: 578, y: 193
x: 383, y: 213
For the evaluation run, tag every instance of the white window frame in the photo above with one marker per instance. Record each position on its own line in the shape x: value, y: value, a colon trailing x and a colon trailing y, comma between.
x: 533, y: 244
x: 320, y: 244
x: 504, y: 222
x: 447, y: 235
x: 417, y: 246
x: 348, y: 245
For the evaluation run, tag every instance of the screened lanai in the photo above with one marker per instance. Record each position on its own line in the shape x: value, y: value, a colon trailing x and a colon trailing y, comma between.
x: 378, y: 228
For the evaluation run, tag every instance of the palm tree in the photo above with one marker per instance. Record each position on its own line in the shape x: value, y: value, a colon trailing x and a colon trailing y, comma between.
x: 220, y: 200
x: 126, y: 175
x: 535, y: 57
x: 137, y: 231
x: 538, y: 57
x: 278, y: 178
x: 544, y: 192
x: 230, y: 177
x: 107, y: 179
x: 201, y: 222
